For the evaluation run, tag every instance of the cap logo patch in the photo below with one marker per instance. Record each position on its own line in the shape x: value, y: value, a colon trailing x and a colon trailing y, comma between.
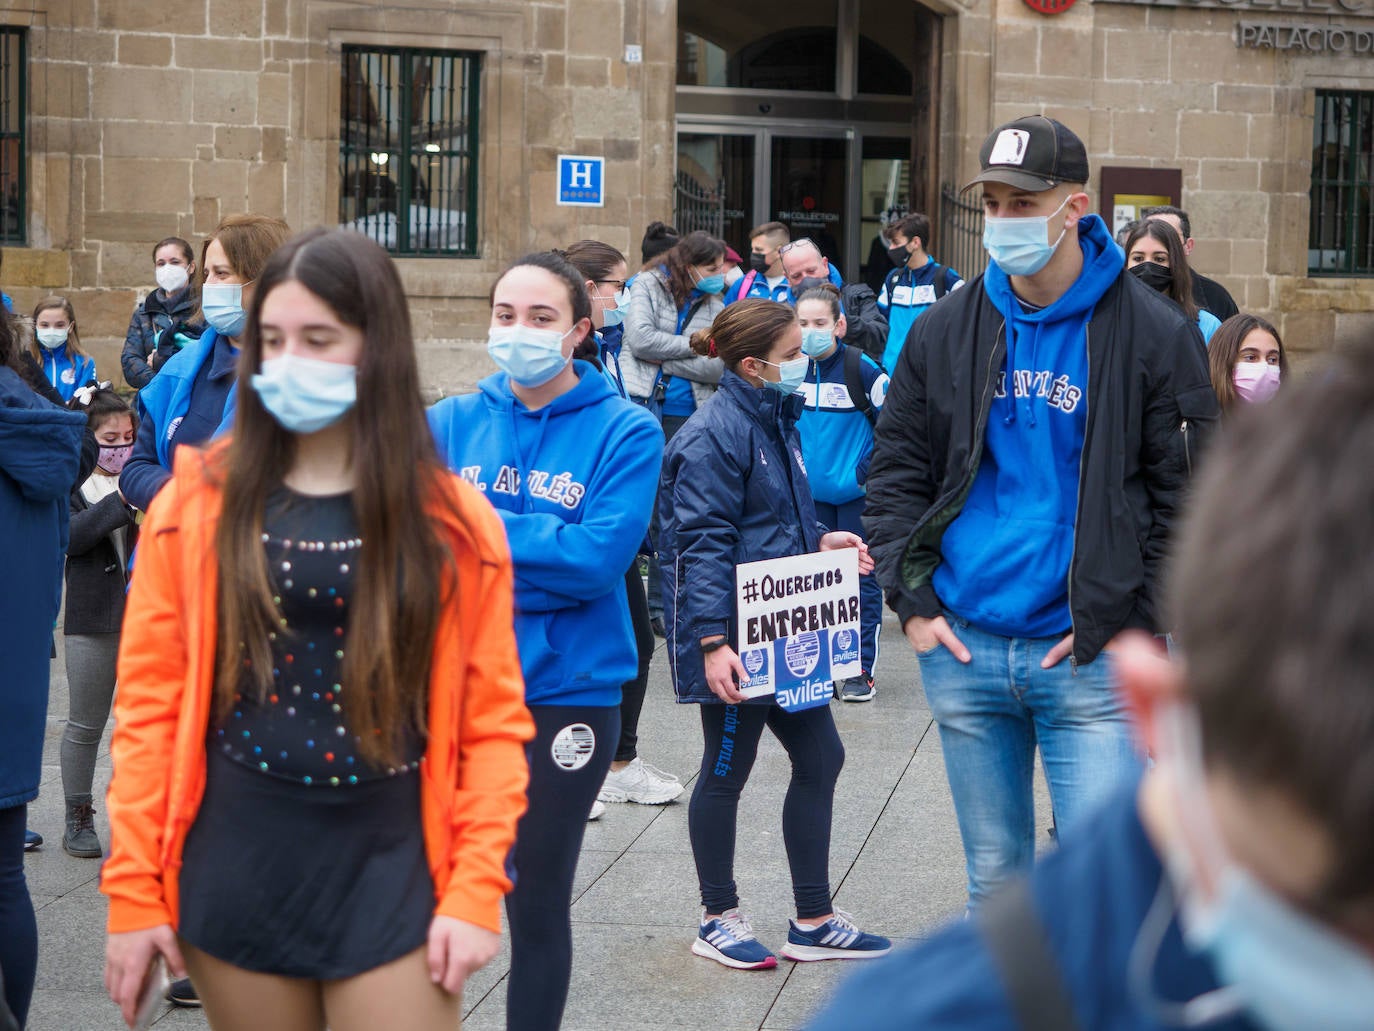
x: 1010, y: 147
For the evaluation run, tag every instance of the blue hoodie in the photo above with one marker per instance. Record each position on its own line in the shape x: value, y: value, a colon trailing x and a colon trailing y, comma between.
x: 40, y: 457
x: 837, y: 438
x: 66, y: 371
x: 574, y: 483
x: 1005, y: 558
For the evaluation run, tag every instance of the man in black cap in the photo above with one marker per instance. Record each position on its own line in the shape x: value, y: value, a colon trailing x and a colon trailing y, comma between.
x: 1027, y: 466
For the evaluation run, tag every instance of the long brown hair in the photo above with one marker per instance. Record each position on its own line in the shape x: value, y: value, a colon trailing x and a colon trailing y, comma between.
x: 1224, y: 348
x: 403, y: 568
x: 1181, y: 277
x: 696, y: 248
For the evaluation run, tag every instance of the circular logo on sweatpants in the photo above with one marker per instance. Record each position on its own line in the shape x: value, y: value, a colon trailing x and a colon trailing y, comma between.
x: 573, y: 746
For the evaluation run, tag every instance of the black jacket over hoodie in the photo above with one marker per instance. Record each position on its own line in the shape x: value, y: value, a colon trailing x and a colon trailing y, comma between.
x: 96, y: 580
x: 1150, y: 405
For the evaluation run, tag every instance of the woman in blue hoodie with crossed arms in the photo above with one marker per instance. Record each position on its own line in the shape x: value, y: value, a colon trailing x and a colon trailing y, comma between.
x: 571, y: 467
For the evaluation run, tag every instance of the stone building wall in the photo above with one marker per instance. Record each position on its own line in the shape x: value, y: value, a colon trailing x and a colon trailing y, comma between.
x: 1169, y: 87
x: 149, y: 120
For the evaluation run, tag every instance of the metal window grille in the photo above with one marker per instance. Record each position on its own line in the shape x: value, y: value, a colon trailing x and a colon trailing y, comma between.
x: 13, y: 103
x: 1341, y: 223
x: 960, y: 242
x: 408, y: 148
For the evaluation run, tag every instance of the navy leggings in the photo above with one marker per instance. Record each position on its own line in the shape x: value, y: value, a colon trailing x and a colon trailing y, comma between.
x: 567, y: 768
x: 632, y: 691
x: 18, y: 928
x: 732, y: 734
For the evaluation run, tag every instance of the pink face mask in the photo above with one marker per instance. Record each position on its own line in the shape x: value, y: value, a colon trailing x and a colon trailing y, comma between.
x: 112, y: 459
x: 1255, y: 381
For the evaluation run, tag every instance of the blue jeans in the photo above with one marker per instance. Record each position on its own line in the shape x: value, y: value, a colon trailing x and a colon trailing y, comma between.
x: 849, y: 517
x: 992, y: 713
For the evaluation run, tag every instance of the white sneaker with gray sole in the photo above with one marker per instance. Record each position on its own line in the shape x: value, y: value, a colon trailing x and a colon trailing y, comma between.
x: 640, y: 782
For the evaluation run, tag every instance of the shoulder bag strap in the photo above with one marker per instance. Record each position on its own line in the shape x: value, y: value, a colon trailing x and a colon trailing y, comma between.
x: 1015, y: 936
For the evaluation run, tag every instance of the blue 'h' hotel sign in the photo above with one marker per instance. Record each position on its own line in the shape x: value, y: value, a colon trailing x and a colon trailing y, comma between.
x: 581, y: 181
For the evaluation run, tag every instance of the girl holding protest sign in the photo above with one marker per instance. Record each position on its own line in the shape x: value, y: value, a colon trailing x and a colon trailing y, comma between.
x: 734, y: 490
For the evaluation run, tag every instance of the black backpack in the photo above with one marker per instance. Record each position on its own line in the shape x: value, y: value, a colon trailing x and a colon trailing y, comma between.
x: 854, y: 383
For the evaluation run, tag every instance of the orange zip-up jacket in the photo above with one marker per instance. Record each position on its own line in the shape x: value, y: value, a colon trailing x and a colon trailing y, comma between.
x: 473, y: 773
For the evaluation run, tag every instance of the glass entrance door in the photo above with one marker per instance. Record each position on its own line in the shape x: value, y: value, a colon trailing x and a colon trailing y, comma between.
x: 808, y: 193
x: 732, y: 178
x: 715, y: 184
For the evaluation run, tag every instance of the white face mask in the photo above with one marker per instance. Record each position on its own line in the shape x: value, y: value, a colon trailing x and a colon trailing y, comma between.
x: 51, y: 338
x: 171, y: 277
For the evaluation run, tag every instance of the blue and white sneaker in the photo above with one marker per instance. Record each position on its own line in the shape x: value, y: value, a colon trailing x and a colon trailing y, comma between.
x: 729, y: 939
x: 837, y: 938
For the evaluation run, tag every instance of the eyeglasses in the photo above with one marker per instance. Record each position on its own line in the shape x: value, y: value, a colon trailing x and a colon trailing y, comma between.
x: 805, y: 240
x: 619, y: 284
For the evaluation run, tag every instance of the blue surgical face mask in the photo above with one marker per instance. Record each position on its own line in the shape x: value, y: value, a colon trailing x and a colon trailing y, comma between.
x: 1284, y: 969
x: 222, y: 306
x: 1021, y: 246
x: 712, y: 284
x: 614, y: 316
x: 815, y: 342
x: 305, y: 395
x: 531, y: 357
x: 791, y: 374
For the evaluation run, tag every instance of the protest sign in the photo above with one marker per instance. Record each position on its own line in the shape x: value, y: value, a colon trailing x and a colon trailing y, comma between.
x: 798, y: 621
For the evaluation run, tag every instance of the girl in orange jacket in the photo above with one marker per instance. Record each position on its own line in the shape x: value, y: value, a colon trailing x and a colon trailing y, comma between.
x: 318, y: 755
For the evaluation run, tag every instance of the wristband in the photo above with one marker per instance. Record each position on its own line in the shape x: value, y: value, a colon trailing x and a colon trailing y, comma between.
x: 706, y: 649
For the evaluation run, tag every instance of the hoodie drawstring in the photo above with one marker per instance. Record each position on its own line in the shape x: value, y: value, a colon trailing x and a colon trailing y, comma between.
x: 522, y: 458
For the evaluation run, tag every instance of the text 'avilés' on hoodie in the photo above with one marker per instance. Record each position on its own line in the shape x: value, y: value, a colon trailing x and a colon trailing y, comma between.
x: 574, y: 483
x: 1005, y: 558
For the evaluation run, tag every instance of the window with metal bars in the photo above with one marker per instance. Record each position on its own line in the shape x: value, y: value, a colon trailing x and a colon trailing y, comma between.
x: 408, y: 148
x: 13, y: 101
x: 1340, y: 237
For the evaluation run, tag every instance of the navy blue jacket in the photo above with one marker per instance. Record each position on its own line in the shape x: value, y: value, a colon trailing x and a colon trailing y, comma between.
x: 1092, y: 897
x: 733, y: 490
x: 40, y: 459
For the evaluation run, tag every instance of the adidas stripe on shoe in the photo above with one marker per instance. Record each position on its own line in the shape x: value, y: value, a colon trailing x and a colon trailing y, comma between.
x: 837, y: 938
x: 728, y: 939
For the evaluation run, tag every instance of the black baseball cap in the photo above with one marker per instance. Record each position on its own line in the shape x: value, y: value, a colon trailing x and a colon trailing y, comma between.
x: 1034, y: 153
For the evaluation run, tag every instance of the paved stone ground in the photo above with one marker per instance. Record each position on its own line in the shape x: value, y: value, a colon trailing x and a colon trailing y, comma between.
x: 896, y: 863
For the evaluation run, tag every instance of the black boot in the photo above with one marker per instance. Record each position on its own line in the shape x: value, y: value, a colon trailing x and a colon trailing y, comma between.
x: 79, y: 839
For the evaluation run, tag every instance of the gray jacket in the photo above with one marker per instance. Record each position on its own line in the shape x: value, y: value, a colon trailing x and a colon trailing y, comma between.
x: 651, y: 337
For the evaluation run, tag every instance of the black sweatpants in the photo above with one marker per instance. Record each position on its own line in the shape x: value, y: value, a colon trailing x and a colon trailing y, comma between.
x: 632, y: 691
x: 568, y: 757
x: 732, y: 734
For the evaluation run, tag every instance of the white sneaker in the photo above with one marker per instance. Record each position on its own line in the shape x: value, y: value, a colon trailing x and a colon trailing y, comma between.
x: 596, y: 812
x: 640, y: 782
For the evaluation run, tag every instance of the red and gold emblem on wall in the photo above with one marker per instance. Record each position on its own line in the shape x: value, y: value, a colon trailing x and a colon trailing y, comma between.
x: 1050, y: 6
